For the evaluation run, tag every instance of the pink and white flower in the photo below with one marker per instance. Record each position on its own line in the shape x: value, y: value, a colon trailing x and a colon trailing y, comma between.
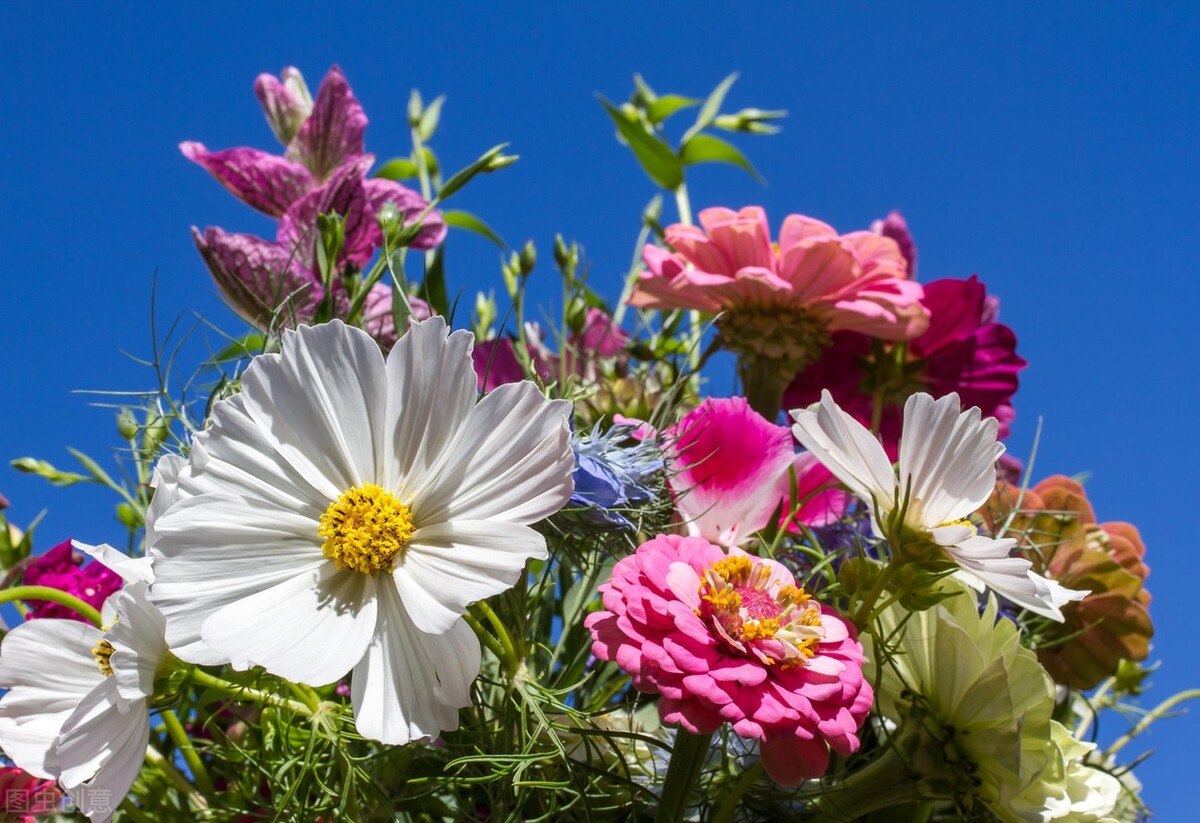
x: 728, y: 637
x: 731, y: 469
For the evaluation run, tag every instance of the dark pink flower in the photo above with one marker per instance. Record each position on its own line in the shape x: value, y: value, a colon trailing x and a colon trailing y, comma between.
x: 496, y: 363
x: 964, y: 350
x: 731, y: 469
x: 62, y: 568
x: 732, y: 638
x: 600, y: 336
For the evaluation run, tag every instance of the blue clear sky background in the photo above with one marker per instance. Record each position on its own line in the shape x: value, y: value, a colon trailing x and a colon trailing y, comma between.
x: 1054, y: 149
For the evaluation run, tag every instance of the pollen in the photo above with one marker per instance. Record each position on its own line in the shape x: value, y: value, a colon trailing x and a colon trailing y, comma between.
x: 366, y: 529
x: 103, y: 651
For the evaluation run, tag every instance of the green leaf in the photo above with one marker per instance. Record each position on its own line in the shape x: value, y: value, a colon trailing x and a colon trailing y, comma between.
x: 433, y: 287
x: 668, y: 104
x: 398, y: 168
x: 469, y: 222
x: 94, y: 468
x: 704, y: 148
x: 711, y: 108
x: 491, y: 160
x: 251, y: 344
x: 655, y: 156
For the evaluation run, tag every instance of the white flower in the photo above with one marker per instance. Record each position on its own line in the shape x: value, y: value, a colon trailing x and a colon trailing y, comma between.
x: 947, y: 470
x: 340, y: 513
x: 77, y: 709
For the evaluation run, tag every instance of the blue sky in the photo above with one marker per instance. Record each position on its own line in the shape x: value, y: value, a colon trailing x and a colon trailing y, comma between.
x: 1052, y: 149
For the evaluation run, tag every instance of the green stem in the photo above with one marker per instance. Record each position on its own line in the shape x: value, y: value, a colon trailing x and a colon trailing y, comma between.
x: 882, y: 783
x: 731, y: 799
x: 1156, y: 713
x: 54, y: 596
x: 862, y: 617
x: 133, y: 812
x: 485, y: 637
x: 687, y: 759
x: 238, y: 692
x: 156, y: 759
x: 508, y: 656
x: 762, y: 385
x: 683, y: 204
x: 191, y: 757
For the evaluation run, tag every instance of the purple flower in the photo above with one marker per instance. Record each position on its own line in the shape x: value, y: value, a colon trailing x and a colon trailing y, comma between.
x: 324, y: 171
x: 63, y: 569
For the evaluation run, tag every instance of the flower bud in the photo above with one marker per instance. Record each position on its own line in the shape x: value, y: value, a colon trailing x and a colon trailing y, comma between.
x: 127, y: 424
x: 528, y: 258
x: 286, y: 103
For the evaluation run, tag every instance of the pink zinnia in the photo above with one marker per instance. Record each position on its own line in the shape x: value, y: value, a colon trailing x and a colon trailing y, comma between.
x: 23, y: 796
x: 732, y: 468
x: 61, y: 568
x: 781, y: 301
x: 964, y: 350
x: 732, y: 638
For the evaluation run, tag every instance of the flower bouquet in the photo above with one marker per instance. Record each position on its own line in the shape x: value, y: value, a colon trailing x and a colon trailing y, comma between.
x: 388, y: 561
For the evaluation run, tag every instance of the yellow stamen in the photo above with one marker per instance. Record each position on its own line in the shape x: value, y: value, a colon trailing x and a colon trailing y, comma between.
x: 103, y: 651
x: 365, y: 529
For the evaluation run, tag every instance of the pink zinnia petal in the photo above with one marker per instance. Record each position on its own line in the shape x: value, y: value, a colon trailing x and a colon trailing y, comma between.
x: 708, y: 665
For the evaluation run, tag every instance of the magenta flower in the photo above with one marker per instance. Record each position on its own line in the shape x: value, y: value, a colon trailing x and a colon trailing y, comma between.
x: 731, y: 469
x: 964, y: 350
x: 63, y: 569
x: 732, y: 638
x: 23, y: 796
x: 324, y: 171
x: 496, y: 363
x: 782, y: 300
x: 322, y: 137
x: 266, y: 280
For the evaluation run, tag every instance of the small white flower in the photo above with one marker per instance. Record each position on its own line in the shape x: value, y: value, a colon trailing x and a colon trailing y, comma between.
x: 77, y: 709
x: 947, y: 470
x: 341, y: 512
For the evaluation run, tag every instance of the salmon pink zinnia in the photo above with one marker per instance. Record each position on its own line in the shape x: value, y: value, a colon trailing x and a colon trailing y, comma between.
x: 731, y: 637
x: 782, y: 300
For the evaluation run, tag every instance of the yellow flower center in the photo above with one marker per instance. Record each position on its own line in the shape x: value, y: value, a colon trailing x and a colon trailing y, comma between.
x: 773, y: 622
x: 365, y: 529
x: 103, y: 651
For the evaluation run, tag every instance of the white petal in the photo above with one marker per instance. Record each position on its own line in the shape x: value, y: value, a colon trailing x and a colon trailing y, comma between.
x: 512, y: 461
x: 988, y: 561
x: 949, y: 456
x: 450, y: 565
x: 130, y: 569
x: 312, y: 628
x: 48, y: 668
x: 411, y: 685
x: 137, y: 640
x: 235, y: 455
x: 101, y: 750
x: 323, y: 400
x: 166, y: 490
x: 431, y: 392
x: 214, y: 550
x: 847, y: 449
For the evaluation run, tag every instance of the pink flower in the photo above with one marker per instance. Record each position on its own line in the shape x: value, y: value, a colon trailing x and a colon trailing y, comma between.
x: 23, y: 796
x: 732, y: 638
x: 63, y: 569
x: 782, y: 300
x: 496, y: 363
x: 962, y: 351
x: 731, y: 469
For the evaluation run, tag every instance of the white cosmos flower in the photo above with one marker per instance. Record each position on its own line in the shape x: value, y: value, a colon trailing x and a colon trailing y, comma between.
x: 341, y: 512
x: 77, y: 709
x: 947, y: 470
